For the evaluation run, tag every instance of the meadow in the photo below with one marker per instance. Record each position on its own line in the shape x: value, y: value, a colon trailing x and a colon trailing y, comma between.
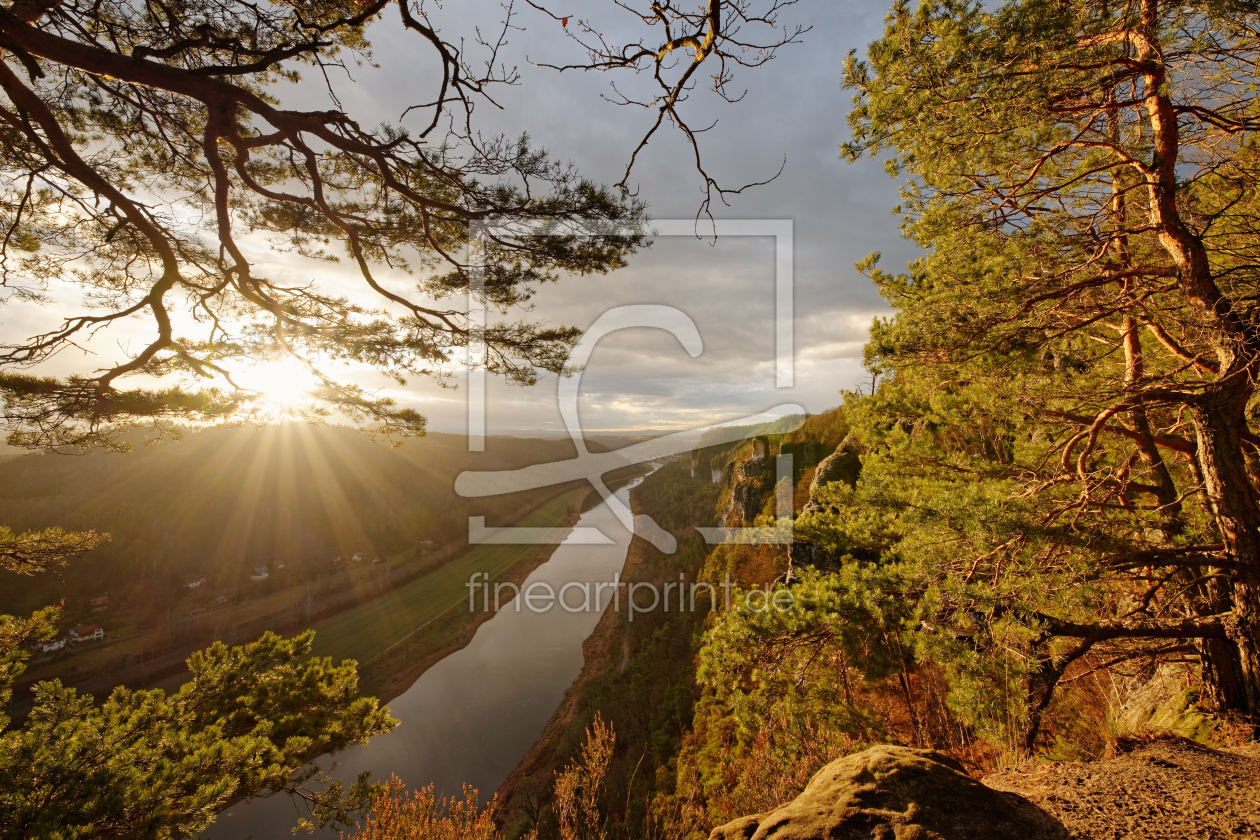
x: 367, y: 631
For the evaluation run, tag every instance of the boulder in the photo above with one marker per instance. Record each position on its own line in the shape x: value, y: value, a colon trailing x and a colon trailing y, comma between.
x: 897, y: 793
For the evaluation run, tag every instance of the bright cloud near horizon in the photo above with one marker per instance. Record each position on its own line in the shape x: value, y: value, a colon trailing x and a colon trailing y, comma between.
x: 642, y: 379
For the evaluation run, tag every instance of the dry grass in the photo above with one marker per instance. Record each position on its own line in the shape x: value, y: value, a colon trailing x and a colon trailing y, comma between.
x: 399, y: 814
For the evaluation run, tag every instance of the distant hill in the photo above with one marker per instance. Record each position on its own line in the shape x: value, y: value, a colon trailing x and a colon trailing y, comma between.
x: 221, y: 502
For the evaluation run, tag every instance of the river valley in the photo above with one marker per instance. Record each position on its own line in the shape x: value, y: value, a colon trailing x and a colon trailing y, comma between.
x: 471, y: 718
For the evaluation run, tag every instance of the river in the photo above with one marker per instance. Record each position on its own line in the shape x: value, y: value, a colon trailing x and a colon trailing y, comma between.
x: 472, y: 717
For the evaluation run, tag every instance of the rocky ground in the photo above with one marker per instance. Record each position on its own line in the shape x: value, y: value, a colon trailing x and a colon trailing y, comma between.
x: 1156, y: 788
x: 897, y: 793
x: 1167, y: 788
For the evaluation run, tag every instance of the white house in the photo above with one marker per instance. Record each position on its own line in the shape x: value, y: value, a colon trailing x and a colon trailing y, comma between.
x: 260, y: 573
x: 87, y: 633
x: 50, y: 645
x: 195, y: 582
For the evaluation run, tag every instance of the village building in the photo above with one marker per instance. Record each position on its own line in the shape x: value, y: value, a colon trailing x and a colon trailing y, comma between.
x: 260, y: 573
x: 50, y: 645
x: 87, y: 633
x: 98, y: 604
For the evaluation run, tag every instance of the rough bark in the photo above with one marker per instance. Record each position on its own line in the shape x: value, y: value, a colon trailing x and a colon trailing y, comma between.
x: 1218, y: 412
x: 1219, y: 423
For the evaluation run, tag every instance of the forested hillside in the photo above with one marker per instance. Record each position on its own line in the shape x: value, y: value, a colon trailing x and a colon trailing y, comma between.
x: 219, y: 503
x: 640, y: 676
x: 1039, y: 535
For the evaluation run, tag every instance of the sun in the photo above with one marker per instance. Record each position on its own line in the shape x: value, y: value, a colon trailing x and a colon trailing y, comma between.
x: 285, y: 385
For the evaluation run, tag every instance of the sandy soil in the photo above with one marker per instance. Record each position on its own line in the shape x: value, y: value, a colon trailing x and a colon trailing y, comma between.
x: 1167, y: 788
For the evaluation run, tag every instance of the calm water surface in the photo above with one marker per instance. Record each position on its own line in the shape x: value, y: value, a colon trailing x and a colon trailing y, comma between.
x: 473, y: 716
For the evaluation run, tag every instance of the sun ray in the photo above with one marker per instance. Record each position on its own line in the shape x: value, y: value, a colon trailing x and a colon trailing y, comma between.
x: 285, y: 385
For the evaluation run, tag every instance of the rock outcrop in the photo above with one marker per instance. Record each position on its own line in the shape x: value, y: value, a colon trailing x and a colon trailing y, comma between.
x: 897, y: 793
x: 845, y: 465
x: 803, y: 553
x: 749, y: 478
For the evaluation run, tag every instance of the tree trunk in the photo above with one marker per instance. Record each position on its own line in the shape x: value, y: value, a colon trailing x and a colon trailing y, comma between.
x: 1223, y: 679
x: 1233, y: 676
x: 1223, y: 688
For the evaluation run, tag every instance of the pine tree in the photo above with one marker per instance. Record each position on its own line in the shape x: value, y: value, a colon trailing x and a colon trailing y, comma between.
x: 1064, y: 430
x: 142, y: 143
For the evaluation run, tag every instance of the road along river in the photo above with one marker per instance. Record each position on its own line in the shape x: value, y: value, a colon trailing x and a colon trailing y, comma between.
x: 472, y: 717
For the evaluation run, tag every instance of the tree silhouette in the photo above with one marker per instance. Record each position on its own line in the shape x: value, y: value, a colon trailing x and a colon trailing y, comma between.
x: 144, y: 141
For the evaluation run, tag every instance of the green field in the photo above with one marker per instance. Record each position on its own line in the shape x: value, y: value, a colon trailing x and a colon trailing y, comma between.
x: 369, y: 629
x: 372, y: 628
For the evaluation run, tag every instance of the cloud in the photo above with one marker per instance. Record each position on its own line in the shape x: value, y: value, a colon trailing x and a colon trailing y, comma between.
x: 643, y: 379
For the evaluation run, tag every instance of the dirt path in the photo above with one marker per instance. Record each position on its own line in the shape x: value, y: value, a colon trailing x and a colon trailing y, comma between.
x: 1163, y: 789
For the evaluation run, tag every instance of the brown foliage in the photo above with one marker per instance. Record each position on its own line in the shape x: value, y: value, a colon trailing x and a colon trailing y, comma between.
x: 399, y: 814
x: 578, y: 786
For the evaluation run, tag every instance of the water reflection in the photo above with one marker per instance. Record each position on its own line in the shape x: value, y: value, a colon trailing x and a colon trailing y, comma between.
x: 473, y: 716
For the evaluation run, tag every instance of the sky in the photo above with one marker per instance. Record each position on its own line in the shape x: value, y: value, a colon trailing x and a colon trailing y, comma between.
x: 795, y: 108
x: 642, y: 379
